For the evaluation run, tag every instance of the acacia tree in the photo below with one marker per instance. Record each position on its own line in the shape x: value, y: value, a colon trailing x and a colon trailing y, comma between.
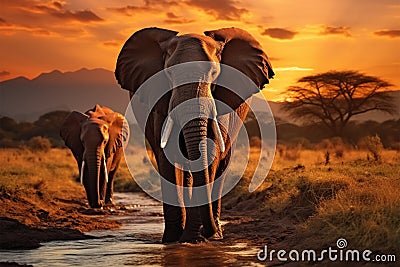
x: 334, y: 97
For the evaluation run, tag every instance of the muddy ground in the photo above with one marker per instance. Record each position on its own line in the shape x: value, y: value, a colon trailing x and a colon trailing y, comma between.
x: 27, y: 219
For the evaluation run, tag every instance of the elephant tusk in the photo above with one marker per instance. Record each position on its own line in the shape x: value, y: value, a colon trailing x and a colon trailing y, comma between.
x: 105, y: 169
x: 218, y: 134
x: 167, y: 131
x: 82, y: 169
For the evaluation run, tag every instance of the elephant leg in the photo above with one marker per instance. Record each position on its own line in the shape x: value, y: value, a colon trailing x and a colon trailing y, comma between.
x: 217, y: 194
x: 191, y: 233
x: 109, y: 199
x: 216, y: 204
x: 173, y: 215
x: 102, y: 187
x: 192, y: 229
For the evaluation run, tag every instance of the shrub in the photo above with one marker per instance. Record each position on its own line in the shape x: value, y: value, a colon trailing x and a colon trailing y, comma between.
x: 339, y: 152
x: 331, y: 143
x: 255, y: 142
x: 302, y: 142
x: 8, y: 143
x: 373, y: 144
x: 39, y: 143
x: 292, y: 154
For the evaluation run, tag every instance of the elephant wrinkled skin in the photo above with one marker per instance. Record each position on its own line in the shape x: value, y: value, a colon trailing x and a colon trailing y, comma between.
x: 152, y: 50
x: 96, y: 139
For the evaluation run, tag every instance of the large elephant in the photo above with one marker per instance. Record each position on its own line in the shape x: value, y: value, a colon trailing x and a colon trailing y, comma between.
x: 96, y: 140
x: 152, y: 50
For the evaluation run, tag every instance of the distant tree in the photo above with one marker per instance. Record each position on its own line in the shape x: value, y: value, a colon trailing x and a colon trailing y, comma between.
x: 39, y: 143
x: 335, y: 97
x: 8, y: 124
x: 49, y: 125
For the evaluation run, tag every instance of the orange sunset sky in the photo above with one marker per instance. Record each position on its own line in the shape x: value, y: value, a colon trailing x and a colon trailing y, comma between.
x: 300, y: 37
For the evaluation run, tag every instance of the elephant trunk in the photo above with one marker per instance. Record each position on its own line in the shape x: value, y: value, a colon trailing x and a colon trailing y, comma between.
x: 195, y: 136
x: 92, y: 184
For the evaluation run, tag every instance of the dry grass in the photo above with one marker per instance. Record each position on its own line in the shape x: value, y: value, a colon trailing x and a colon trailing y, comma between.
x: 39, y: 189
x: 366, y: 214
x: 351, y: 197
x: 23, y: 169
x: 337, y: 156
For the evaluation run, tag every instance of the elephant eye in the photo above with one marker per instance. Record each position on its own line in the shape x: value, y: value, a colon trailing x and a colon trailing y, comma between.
x: 215, y: 73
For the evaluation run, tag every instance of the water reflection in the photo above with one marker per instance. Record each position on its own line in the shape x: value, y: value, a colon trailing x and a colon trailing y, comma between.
x: 136, y: 243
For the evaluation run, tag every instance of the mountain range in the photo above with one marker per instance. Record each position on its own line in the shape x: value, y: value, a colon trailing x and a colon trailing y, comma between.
x: 26, y: 99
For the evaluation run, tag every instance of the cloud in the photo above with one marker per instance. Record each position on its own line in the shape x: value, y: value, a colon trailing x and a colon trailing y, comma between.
x: 295, y: 68
x: 131, y: 10
x: 82, y: 16
x: 331, y: 30
x: 279, y: 33
x: 112, y: 43
x: 388, y: 33
x: 56, y: 10
x: 171, y: 15
x: 42, y: 18
x: 274, y: 58
x: 174, y: 19
x: 57, y: 4
x: 220, y: 9
x: 151, y: 6
x: 4, y: 73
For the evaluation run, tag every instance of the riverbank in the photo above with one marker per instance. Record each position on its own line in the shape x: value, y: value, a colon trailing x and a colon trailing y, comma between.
x: 40, y: 201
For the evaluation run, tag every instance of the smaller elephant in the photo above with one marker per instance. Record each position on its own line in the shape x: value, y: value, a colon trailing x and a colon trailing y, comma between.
x: 96, y: 139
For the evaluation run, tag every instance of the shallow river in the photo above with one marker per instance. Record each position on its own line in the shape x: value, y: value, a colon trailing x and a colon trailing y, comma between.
x: 137, y: 242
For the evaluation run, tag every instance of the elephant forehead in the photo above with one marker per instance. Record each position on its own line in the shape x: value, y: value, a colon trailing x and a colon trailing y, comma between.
x: 95, y: 123
x: 198, y: 39
x: 192, y: 47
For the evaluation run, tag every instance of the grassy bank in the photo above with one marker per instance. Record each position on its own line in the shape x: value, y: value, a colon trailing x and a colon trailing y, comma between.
x: 351, y: 197
x: 41, y: 201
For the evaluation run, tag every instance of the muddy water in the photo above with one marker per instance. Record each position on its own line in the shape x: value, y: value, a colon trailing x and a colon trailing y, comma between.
x: 137, y: 242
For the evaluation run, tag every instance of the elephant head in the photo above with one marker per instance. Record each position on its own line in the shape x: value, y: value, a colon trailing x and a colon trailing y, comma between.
x: 151, y: 50
x: 94, y: 139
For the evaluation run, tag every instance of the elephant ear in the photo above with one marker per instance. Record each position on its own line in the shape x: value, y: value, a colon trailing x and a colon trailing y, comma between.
x: 70, y: 132
x: 118, y: 132
x: 141, y: 57
x: 97, y: 111
x: 242, y: 52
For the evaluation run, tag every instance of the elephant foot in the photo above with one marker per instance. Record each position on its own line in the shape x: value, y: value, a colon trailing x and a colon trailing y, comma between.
x: 171, y: 236
x: 169, y: 240
x: 98, y: 205
x: 192, y: 239
x: 210, y: 235
x: 217, y: 236
x: 110, y: 202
